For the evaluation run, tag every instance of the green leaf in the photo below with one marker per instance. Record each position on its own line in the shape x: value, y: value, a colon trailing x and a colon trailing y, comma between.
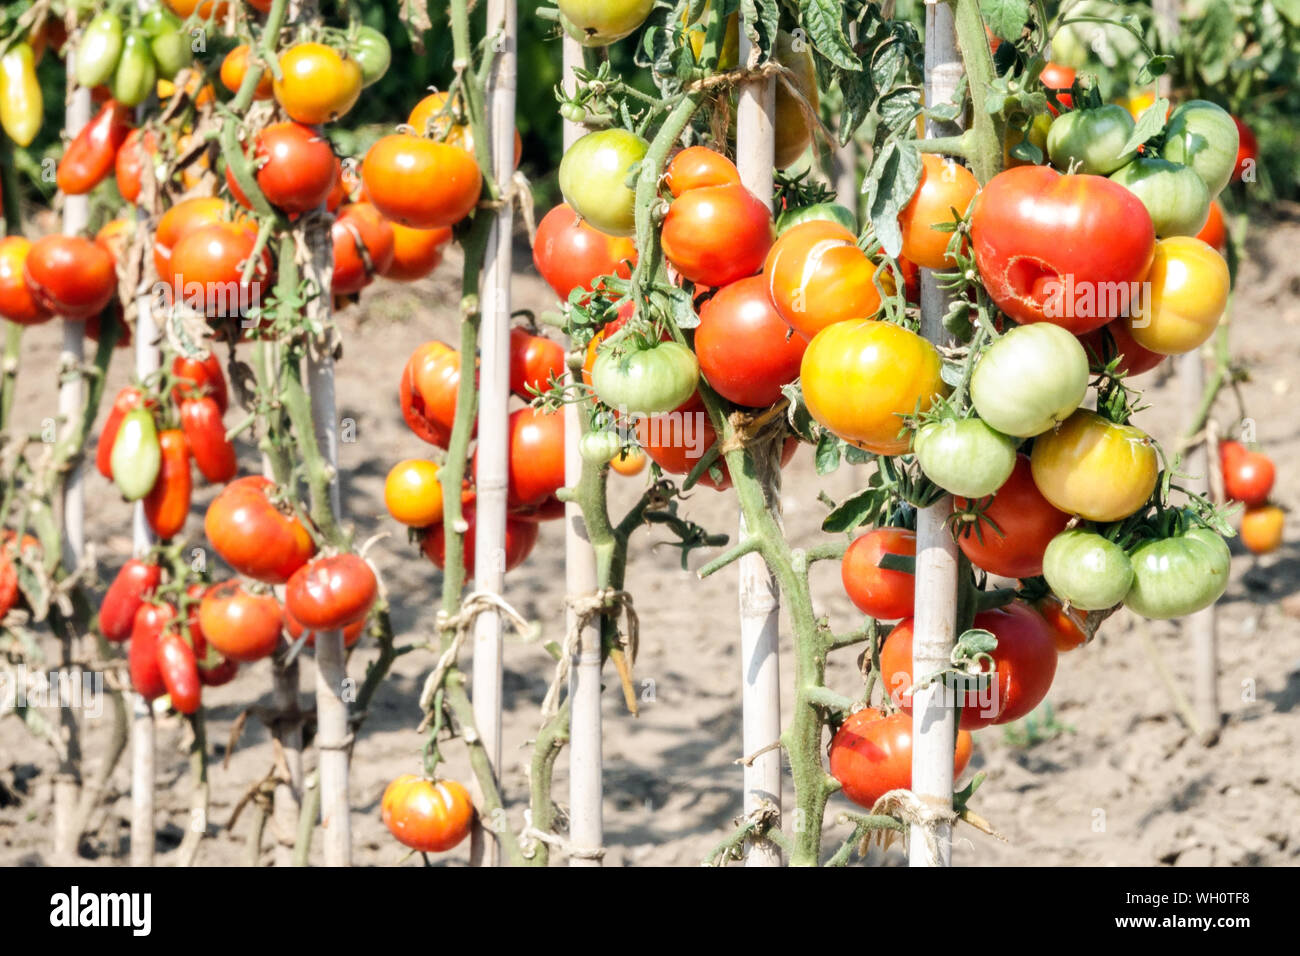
x: 828, y: 453
x: 1289, y: 9
x: 1006, y: 18
x: 855, y: 511
x: 681, y: 308
x: 889, y: 63
x: 895, y: 176
x: 824, y: 22
x: 800, y: 421
x: 1149, y: 124
x: 972, y: 642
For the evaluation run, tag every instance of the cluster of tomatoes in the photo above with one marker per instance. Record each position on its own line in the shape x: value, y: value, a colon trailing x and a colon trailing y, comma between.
x: 1248, y: 477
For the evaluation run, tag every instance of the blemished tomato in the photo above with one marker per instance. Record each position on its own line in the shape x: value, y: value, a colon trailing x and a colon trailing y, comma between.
x: 1202, y: 136
x: 295, y: 167
x: 318, y: 85
x: 214, y: 454
x: 593, y: 179
x: 965, y: 456
x: 133, y: 584
x: 179, y: 672
x: 1029, y: 379
x: 629, y: 462
x: 90, y: 156
x: 1215, y: 231
x: 1247, y: 153
x: 142, y: 655
x: 1091, y: 141
x: 881, y: 593
x: 1094, y: 468
x: 1179, y: 575
x: 698, y: 166
x: 413, y: 494
x: 1025, y: 524
x: 17, y: 304
x: 427, y: 815
x: 235, y: 66
x: 253, y: 535
x: 331, y: 592
x: 168, y: 504
x: 241, y: 624
x: 207, y: 269
x: 534, y: 361
x: 1187, y: 293
x: 861, y: 378
x: 1261, y: 528
x: 676, y: 442
x: 717, y: 234
x: 428, y: 119
x: 351, y: 634
x: 1113, y: 340
x: 645, y: 381
x: 871, y: 754
x: 1086, y: 570
x: 818, y: 276
x: 198, y: 377
x: 535, y: 456
x: 1065, y: 624
x: 1175, y: 196
x: 69, y: 276
x: 178, y: 222
x: 1032, y: 228
x: 745, y: 349
x: 1248, y: 476
x: 437, y: 364
x: 521, y: 536
x: 945, y: 186
x: 420, y: 183
x: 600, y: 22
x: 570, y: 254
x: 1025, y: 662
x: 363, y: 247
x: 416, y: 252
x: 1059, y: 79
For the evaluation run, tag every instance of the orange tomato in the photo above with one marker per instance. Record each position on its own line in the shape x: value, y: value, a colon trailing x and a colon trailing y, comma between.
x: 233, y: 68
x: 413, y: 494
x: 1261, y: 528
x: 317, y: 85
x: 699, y: 166
x: 630, y: 461
x: 416, y: 252
x: 818, y: 276
x: 178, y: 222
x: 427, y: 815
x: 944, y: 186
x: 424, y: 119
x: 420, y: 183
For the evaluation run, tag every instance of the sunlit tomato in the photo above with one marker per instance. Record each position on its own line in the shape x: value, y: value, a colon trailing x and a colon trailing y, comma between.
x: 427, y: 815
x: 134, y: 582
x: 142, y: 655
x: 649, y: 379
x: 1091, y: 140
x: 90, y: 156
x: 521, y: 536
x: 1187, y: 293
x: 351, y: 634
x: 1247, y: 154
x: 243, y: 625
x: 677, y: 441
x: 1066, y: 625
x: 944, y: 186
x: 413, y: 494
x: 1107, y: 342
x: 235, y: 66
x: 207, y: 268
x: 1029, y: 379
x: 1202, y: 136
x: 1094, y: 468
x: 438, y: 365
x: 1059, y: 79
x: 420, y: 183
x: 1025, y: 662
x: 139, y: 147
x: 295, y: 167
x: 534, y: 361
x: 180, y: 674
x: 206, y: 9
x: 331, y: 592
x: 213, y: 453
x: 428, y: 119
x: 317, y: 85
x: 698, y: 166
x: 1087, y: 570
x: 114, y: 236
x: 535, y: 456
x: 1033, y: 229
x: 1019, y: 525
x: 717, y: 234
x: 861, y: 378
x: 871, y: 754
x: 17, y: 303
x: 363, y: 247
x: 255, y: 536
x: 594, y: 175
x: 570, y: 254
x: 818, y: 276
x: 178, y: 222
x: 1248, y: 476
x: 880, y: 592
x: 69, y: 276
x: 416, y: 252
x: 745, y: 349
x: 346, y: 188
x: 629, y: 462
x: 1261, y: 528
x: 168, y: 504
x: 1215, y: 231
x: 1178, y: 575
x: 197, y: 377
x: 599, y: 22
x: 1174, y: 195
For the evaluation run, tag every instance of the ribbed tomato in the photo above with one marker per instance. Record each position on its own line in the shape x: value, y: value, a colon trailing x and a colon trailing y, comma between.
x: 332, y: 592
x: 69, y: 276
x: 427, y: 815
x: 241, y: 624
x: 253, y: 535
x: 746, y: 351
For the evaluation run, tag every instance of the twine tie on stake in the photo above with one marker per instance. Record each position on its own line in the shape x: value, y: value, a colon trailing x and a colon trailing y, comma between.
x: 586, y: 608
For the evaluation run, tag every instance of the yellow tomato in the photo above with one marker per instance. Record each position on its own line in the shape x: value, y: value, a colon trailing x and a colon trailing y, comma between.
x: 631, y: 462
x: 318, y: 85
x: 861, y: 378
x: 1261, y: 528
x: 1094, y: 468
x: 1183, y: 297
x: 412, y: 493
x: 1140, y: 103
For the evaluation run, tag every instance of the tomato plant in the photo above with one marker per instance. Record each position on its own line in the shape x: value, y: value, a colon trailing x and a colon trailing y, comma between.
x: 871, y: 754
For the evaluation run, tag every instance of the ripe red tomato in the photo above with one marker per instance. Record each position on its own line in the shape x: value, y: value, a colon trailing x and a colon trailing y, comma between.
x: 1065, y: 624
x: 535, y: 451
x: 296, y: 168
x: 17, y: 304
x: 1059, y: 79
x: 1248, y: 476
x: 746, y: 350
x: 521, y: 536
x: 697, y: 167
x: 1033, y: 229
x: 570, y: 254
x: 168, y: 503
x: 427, y: 815
x: 677, y: 441
x: 253, y: 535
x: 331, y: 593
x: 1028, y: 523
x: 179, y: 672
x: 178, y: 222
x: 1025, y: 661
x: 142, y: 656
x: 207, y: 269
x: 944, y: 186
x: 1247, y: 151
x: 139, y: 147
x: 363, y: 247
x: 133, y: 584
x: 1215, y: 231
x: 427, y: 391
x: 214, y: 669
x: 69, y: 276
x: 881, y: 593
x: 818, y: 276
x: 416, y: 252
x: 717, y: 234
x: 213, y: 452
x: 90, y: 156
x: 420, y: 183
x: 871, y: 754
x: 200, y: 377
x: 534, y: 361
x: 241, y: 624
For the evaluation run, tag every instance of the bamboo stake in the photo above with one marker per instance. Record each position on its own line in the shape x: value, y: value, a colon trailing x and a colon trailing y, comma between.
x: 494, y: 379
x: 934, y: 729
x: 759, y: 594
x: 586, y: 768
x: 846, y: 176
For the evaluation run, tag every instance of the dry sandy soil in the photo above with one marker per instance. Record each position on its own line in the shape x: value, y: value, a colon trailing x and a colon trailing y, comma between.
x: 1119, y: 782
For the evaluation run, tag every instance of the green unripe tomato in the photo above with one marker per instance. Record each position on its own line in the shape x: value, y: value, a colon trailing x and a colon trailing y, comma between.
x: 1175, y: 196
x: 965, y: 457
x: 168, y: 42
x: 598, y: 447
x: 136, y: 72
x: 136, y: 457
x: 1086, y: 570
x: 1174, y: 577
x: 1203, y: 136
x: 1028, y: 380
x: 601, y: 22
x: 594, y: 176
x: 1092, y: 138
x: 828, y: 211
x: 373, y: 54
x: 645, y: 381
x: 97, y: 54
